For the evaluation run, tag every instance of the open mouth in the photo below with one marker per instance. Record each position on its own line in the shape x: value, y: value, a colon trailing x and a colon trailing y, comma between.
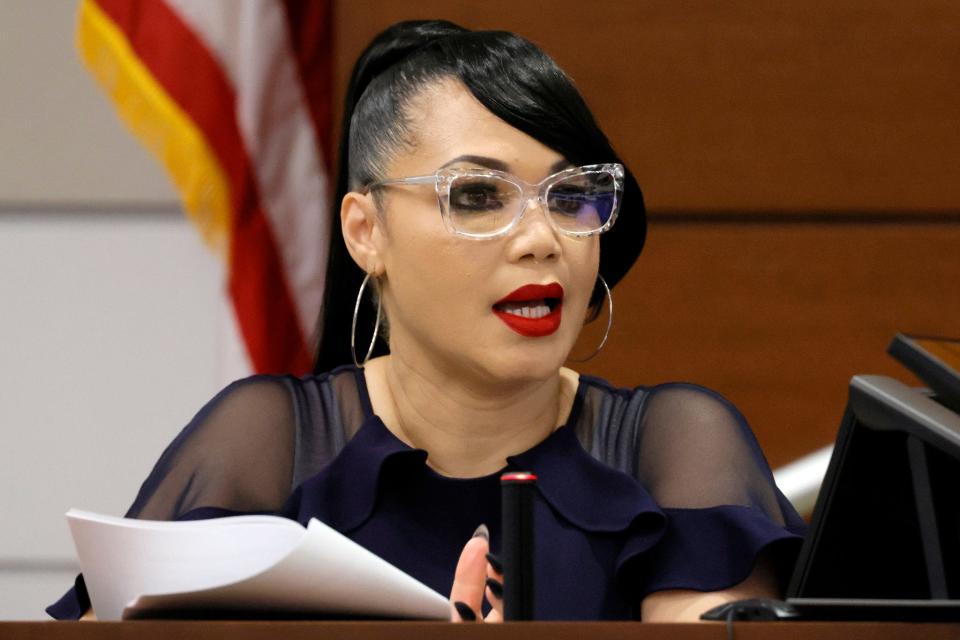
x: 533, y: 310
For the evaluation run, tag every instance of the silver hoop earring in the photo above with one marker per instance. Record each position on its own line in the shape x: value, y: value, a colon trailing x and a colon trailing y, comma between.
x: 606, y: 334
x: 353, y: 327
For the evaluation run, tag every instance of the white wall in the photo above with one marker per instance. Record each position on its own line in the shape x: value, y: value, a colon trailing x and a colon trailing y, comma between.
x: 59, y: 139
x: 108, y: 306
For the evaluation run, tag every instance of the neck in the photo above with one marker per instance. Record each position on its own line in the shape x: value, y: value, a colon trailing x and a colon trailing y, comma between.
x: 467, y: 429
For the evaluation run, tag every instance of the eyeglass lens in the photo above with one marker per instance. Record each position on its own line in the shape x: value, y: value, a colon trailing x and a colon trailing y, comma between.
x: 579, y: 203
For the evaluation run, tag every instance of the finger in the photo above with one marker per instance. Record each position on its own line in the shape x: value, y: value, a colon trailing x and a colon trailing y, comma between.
x: 495, y: 567
x: 469, y: 578
x: 494, y: 589
x: 494, y: 594
x: 463, y: 613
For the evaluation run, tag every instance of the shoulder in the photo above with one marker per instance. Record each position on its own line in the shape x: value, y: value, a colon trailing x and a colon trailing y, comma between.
x: 681, y: 407
x: 254, y: 395
x: 247, y: 405
x: 260, y: 414
x: 234, y: 454
x: 678, y: 406
x: 309, y: 418
x: 693, y: 417
x: 692, y: 435
x: 676, y: 438
x: 271, y: 399
x: 249, y: 445
x: 249, y: 423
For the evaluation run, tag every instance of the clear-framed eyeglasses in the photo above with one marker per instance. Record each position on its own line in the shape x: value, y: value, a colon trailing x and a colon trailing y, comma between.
x: 485, y: 203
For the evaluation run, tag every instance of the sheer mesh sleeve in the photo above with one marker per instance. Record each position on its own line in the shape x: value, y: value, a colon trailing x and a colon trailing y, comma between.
x: 695, y: 451
x: 697, y: 457
x: 236, y: 455
x: 701, y: 462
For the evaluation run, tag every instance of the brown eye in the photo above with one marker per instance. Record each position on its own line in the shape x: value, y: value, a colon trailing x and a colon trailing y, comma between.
x: 475, y: 196
x: 568, y: 199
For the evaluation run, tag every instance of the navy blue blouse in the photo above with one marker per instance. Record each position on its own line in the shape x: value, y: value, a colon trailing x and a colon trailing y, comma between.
x: 641, y: 490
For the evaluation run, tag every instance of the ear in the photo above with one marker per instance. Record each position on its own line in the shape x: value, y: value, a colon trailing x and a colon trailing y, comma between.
x: 360, y: 223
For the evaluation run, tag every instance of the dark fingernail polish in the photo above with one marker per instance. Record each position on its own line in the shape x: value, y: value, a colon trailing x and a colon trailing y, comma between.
x: 466, y: 613
x: 495, y: 563
x: 496, y: 588
x: 482, y: 532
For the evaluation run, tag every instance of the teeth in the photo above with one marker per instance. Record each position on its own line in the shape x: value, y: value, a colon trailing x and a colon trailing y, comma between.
x: 526, y: 309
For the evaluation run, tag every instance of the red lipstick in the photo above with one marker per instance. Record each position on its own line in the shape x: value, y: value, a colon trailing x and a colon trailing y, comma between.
x: 531, y: 299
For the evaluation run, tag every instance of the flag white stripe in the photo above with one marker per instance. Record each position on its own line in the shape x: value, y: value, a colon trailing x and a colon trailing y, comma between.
x: 277, y: 132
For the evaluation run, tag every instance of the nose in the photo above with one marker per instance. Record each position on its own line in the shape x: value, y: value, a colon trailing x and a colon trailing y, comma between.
x: 535, y: 237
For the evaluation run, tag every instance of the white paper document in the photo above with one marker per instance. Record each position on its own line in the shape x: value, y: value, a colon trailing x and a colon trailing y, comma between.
x: 139, y: 568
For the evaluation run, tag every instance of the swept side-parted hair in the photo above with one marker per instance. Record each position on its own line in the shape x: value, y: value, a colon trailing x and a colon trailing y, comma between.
x: 510, y: 76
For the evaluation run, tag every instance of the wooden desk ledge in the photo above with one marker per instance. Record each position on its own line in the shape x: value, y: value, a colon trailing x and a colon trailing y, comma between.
x: 294, y: 630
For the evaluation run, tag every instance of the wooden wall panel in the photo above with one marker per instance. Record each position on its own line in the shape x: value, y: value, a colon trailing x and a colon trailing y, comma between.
x: 779, y: 317
x: 746, y: 106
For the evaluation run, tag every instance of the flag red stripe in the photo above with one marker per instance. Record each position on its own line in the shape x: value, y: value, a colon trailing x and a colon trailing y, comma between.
x: 257, y: 283
x: 265, y: 310
x: 310, y: 25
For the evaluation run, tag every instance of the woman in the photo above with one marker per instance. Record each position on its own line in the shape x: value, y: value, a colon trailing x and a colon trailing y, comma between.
x: 477, y: 199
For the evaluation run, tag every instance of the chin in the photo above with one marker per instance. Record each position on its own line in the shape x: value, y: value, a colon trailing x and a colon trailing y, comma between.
x: 524, y: 362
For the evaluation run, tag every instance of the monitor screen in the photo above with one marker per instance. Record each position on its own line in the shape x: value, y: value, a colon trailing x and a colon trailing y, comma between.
x: 886, y: 526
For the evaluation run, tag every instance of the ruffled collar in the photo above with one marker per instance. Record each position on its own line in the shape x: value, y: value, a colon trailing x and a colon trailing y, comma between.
x: 581, y: 489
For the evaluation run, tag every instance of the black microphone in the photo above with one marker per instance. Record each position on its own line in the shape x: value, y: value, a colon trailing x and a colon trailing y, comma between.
x: 518, y: 492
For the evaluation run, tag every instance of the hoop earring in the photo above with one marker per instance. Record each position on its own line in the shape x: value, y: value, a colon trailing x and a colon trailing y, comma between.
x: 606, y: 334
x: 353, y: 327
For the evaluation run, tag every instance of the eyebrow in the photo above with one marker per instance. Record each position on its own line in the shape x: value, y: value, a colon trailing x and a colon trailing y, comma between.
x: 500, y: 165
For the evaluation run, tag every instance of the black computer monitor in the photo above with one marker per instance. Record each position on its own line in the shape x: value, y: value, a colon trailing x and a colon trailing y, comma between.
x: 884, y: 541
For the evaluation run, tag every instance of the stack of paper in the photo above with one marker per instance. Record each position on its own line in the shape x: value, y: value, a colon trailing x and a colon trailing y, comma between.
x: 139, y: 568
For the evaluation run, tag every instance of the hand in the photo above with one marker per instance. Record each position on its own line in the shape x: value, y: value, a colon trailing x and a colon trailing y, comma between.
x: 472, y: 580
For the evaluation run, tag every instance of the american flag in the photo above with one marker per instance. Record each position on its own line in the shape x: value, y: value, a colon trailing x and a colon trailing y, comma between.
x: 233, y: 98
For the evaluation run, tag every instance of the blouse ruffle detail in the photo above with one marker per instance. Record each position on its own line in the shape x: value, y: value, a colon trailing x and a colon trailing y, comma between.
x: 710, y: 549
x: 582, y: 491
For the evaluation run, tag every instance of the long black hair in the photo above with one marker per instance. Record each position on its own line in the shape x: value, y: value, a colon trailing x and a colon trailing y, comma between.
x: 510, y: 76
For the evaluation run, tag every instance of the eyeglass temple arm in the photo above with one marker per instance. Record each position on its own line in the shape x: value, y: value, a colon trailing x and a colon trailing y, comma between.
x: 431, y: 179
